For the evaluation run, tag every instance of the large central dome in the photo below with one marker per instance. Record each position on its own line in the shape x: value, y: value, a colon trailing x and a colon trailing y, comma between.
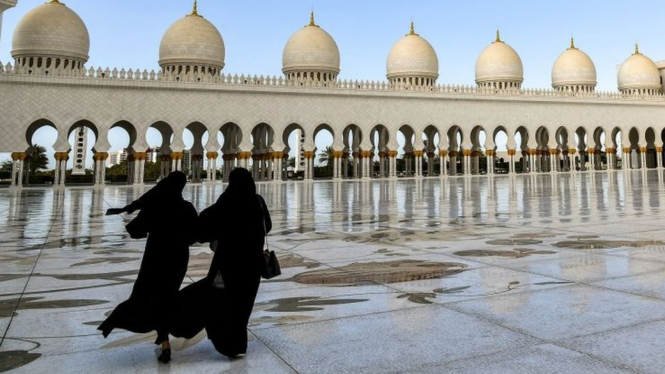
x: 499, y: 66
x: 191, y: 42
x: 311, y: 53
x: 54, y: 31
x: 412, y: 58
x: 574, y: 71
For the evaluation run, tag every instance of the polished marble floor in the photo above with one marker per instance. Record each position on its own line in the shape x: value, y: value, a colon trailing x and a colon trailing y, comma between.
x: 523, y: 274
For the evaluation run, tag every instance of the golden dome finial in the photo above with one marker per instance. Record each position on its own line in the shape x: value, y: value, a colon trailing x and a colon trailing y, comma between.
x: 311, y: 19
x: 56, y: 2
x: 572, y: 43
x: 413, y: 31
x: 195, y: 10
x: 637, y: 49
x: 498, y: 36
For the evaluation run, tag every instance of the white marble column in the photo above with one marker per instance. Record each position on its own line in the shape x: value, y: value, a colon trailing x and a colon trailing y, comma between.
x: 511, y: 161
x: 392, y: 162
x: 18, y: 164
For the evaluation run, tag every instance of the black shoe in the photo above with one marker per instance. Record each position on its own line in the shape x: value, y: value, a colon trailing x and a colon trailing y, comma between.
x: 165, y: 356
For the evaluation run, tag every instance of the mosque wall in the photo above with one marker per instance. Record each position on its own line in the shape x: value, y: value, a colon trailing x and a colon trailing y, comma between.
x: 66, y: 101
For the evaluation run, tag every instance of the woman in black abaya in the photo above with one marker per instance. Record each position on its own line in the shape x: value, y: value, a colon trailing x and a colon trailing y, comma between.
x: 169, y: 223
x: 238, y: 221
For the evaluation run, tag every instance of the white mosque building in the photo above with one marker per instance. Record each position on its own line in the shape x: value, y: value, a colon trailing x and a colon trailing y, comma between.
x: 567, y: 128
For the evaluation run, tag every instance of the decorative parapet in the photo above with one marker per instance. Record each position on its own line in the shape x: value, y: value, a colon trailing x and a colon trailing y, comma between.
x: 137, y: 75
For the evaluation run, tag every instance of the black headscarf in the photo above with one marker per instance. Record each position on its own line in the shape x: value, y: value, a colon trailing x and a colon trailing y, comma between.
x: 241, y: 183
x: 167, y: 190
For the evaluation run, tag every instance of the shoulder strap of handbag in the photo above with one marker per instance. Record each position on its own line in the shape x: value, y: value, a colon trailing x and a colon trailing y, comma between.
x: 263, y: 220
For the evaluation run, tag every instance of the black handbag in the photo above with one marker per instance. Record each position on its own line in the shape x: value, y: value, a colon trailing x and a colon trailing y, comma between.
x: 269, y: 264
x: 271, y: 267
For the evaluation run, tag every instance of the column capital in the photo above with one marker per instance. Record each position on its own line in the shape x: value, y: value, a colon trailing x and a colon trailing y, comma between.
x: 367, y: 154
x: 490, y: 152
x: 643, y: 149
x: 100, y: 156
x: 61, y: 156
x: 338, y: 154
x: 511, y: 152
x: 659, y: 149
x: 392, y: 153
x: 533, y: 151
x: 572, y: 151
x: 19, y: 156
x: 309, y: 154
x: 277, y: 155
x: 244, y: 155
x: 177, y: 155
x: 554, y: 151
x: 610, y: 151
x: 211, y: 155
x: 418, y: 153
x: 467, y: 152
x: 626, y: 149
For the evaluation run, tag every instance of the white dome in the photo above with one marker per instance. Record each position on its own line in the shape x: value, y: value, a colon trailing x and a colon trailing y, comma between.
x: 499, y: 63
x: 573, y: 68
x: 311, y: 49
x: 412, y: 56
x: 192, y: 41
x: 638, y: 72
x: 51, y: 30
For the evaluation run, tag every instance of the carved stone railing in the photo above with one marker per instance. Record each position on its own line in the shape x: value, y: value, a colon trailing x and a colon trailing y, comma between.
x: 273, y: 81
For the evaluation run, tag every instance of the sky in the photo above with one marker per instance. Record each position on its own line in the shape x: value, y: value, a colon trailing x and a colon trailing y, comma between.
x: 127, y: 33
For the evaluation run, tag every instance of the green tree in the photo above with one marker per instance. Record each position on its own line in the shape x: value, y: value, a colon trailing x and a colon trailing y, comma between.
x: 36, y: 159
x: 6, y: 166
x: 117, y: 169
x: 326, y: 157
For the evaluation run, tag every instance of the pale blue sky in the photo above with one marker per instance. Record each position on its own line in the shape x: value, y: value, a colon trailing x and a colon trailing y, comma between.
x: 127, y: 33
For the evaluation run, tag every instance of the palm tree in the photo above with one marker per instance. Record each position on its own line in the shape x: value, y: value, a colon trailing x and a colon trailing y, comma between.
x: 36, y: 159
x: 326, y: 157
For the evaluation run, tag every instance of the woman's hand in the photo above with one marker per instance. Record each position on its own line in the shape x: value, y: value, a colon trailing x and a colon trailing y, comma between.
x: 114, y: 211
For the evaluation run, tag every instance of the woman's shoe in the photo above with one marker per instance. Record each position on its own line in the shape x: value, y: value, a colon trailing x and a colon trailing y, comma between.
x: 165, y: 356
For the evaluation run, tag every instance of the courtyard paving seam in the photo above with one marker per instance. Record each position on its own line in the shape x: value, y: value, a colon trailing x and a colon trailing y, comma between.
x: 25, y: 287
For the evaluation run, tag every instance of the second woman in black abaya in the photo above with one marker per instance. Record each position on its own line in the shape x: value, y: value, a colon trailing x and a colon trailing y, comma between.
x: 224, y: 300
x: 169, y: 223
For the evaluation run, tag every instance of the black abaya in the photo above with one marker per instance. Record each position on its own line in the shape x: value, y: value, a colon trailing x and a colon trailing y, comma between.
x: 237, y: 222
x: 169, y: 222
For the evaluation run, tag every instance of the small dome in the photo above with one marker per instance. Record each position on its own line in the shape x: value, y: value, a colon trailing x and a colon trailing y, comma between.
x: 412, y: 56
x: 573, y: 68
x: 51, y: 30
x: 311, y: 49
x: 499, y: 63
x: 638, y: 72
x: 192, y: 41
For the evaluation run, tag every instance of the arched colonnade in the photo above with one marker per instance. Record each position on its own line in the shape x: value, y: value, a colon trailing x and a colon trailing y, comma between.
x: 370, y: 151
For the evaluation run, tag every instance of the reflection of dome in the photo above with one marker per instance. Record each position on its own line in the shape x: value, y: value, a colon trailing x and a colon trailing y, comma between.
x: 638, y: 74
x: 412, y: 59
x: 499, y: 66
x: 192, y: 43
x: 574, y: 71
x: 311, y: 53
x: 51, y: 31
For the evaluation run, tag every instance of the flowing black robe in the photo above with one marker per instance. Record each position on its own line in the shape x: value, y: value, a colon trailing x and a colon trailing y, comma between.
x: 170, y: 226
x: 237, y: 222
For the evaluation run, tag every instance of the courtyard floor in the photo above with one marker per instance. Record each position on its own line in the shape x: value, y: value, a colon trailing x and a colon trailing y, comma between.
x: 522, y: 274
